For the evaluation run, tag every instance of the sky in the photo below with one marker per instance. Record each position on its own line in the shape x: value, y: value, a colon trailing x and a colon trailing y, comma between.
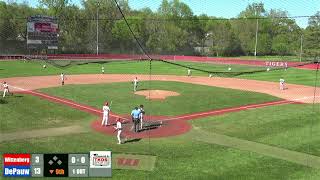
x: 227, y: 8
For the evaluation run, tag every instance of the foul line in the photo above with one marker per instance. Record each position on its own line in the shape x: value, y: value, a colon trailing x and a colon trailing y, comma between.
x: 232, y: 109
x: 64, y: 101
x: 213, y: 112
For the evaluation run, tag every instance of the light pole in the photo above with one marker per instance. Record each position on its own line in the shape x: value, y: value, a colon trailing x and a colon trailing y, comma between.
x: 301, y: 40
x: 257, y: 25
x: 98, y: 4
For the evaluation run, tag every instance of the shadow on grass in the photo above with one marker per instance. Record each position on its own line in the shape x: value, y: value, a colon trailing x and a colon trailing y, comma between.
x: 2, y: 101
x: 132, y: 140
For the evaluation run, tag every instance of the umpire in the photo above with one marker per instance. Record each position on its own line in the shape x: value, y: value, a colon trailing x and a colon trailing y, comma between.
x: 135, y: 114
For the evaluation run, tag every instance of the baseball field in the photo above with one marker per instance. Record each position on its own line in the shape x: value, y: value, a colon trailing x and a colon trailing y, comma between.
x: 221, y: 127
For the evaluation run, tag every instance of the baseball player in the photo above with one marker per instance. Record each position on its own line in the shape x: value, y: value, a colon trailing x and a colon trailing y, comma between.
x: 282, y: 85
x: 142, y: 113
x: 62, y: 78
x: 229, y: 69
x: 106, y: 110
x: 189, y: 72
x: 5, y: 89
x: 135, y: 84
x: 102, y: 69
x: 119, y: 129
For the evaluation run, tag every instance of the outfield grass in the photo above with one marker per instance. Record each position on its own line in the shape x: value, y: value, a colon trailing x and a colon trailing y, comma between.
x: 32, y: 68
x: 291, y: 75
x: 19, y: 68
x: 295, y: 127
x: 24, y: 112
x: 192, y: 98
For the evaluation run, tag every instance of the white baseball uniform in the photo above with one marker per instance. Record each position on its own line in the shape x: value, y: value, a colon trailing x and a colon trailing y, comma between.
x: 189, y: 72
x: 62, y: 78
x: 135, y: 84
x: 5, y: 89
x: 119, y: 129
x: 105, y: 118
x: 282, y: 84
x: 141, y: 116
x: 102, y: 69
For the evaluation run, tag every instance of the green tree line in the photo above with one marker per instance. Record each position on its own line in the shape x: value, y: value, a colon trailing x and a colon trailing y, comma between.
x: 172, y: 29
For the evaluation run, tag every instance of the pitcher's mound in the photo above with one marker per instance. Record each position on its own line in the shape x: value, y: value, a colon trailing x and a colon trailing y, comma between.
x: 156, y: 94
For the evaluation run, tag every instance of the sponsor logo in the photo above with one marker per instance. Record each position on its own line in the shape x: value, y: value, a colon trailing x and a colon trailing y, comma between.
x: 100, y: 159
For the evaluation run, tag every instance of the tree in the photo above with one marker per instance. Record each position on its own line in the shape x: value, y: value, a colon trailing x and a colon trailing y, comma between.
x: 246, y: 28
x: 312, y: 36
x: 225, y: 42
x: 55, y: 7
x: 285, y: 33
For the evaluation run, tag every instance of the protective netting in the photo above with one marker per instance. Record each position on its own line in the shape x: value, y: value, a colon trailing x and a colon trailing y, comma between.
x: 103, y: 45
x: 100, y: 32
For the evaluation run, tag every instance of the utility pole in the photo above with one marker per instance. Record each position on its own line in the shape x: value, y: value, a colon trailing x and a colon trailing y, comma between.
x: 98, y: 5
x: 301, y: 40
x: 257, y: 25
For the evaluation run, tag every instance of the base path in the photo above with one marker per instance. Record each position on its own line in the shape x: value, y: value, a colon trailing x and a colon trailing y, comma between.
x: 294, y: 92
x: 170, y: 125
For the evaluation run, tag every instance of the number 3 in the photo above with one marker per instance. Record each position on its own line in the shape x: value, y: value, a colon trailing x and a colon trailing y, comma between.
x: 37, y: 159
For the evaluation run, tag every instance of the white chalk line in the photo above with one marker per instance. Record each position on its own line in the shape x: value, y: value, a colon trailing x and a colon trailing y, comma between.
x: 63, y: 101
x: 179, y: 117
x: 230, y: 109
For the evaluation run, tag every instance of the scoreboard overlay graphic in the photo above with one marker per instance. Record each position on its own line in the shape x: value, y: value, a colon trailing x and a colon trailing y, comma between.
x: 98, y: 164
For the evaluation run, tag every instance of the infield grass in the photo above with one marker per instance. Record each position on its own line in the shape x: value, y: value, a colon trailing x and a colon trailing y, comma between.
x: 192, y: 98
